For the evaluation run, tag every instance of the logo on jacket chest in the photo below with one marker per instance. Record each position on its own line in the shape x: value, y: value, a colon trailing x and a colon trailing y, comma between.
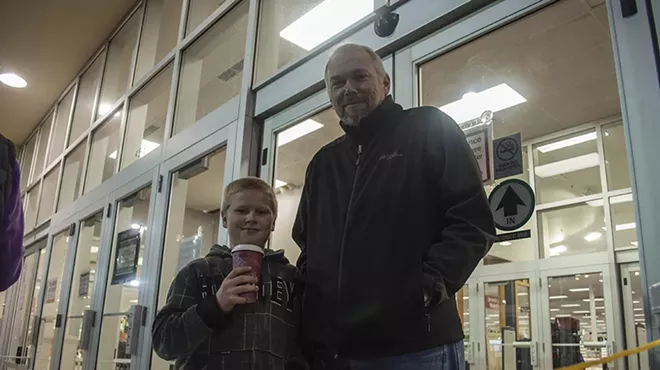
x: 279, y: 291
x: 390, y: 156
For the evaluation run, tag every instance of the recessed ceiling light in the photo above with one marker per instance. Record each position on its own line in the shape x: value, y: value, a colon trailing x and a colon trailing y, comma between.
x: 297, y: 131
x: 558, y: 297
x: 567, y: 166
x: 580, y: 312
x: 104, y: 108
x: 568, y: 142
x: 622, y: 227
x: 592, y: 236
x: 570, y: 305
x: 575, y: 290
x: 474, y: 104
x: 94, y: 249
x: 595, y: 300
x: 555, y: 251
x: 636, y: 273
x: 13, y: 80
x: 505, y: 244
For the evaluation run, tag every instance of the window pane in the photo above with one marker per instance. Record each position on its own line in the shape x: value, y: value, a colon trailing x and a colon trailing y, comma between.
x: 212, y: 69
x: 159, y: 34
x: 73, y: 176
x: 199, y: 10
x: 104, y: 152
x: 51, y: 300
x: 27, y: 161
x: 118, y: 64
x: 623, y: 221
x: 289, y: 30
x: 616, y: 157
x: 82, y: 114
x: 567, y: 168
x: 145, y: 129
x: 31, y: 208
x: 59, y: 129
x: 574, y: 229
x: 43, y: 147
x: 82, y: 289
x: 48, y: 194
x: 124, y: 278
x: 39, y: 286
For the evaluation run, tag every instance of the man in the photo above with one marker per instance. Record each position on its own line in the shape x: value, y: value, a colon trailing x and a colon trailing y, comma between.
x: 392, y: 221
x: 11, y: 216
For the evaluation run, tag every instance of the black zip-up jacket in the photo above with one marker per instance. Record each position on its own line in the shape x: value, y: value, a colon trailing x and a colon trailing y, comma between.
x: 392, y: 221
x: 193, y: 330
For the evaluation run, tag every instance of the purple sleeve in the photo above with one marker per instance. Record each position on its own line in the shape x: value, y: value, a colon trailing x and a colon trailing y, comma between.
x: 11, y: 229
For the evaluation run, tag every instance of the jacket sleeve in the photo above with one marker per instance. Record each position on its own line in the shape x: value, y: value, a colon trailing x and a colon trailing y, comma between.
x: 299, y: 232
x: 187, y: 320
x: 11, y: 232
x: 467, y: 230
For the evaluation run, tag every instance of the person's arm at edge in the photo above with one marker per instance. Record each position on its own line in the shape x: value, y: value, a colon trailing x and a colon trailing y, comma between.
x: 468, y: 229
x: 11, y: 245
x: 297, y: 360
x: 184, y: 322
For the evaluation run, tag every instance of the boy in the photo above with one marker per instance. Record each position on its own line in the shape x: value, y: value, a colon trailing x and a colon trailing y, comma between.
x: 206, y: 324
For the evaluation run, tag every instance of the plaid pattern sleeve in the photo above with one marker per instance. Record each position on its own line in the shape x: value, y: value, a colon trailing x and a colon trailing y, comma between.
x: 179, y: 328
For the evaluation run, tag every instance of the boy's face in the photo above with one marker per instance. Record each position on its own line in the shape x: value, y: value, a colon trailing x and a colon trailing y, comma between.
x: 249, y: 219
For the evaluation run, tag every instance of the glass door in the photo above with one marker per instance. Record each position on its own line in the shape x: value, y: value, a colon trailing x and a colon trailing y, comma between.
x: 508, y: 322
x: 633, y: 311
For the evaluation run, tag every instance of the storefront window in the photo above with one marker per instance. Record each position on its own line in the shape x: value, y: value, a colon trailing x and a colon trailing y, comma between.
x: 87, y: 87
x: 616, y: 157
x: 58, y: 137
x: 38, y: 289
x: 104, y: 152
x: 212, y: 68
x: 123, y: 283
x: 296, y: 145
x: 73, y: 176
x: 289, y: 30
x: 31, y: 208
x: 48, y: 194
x: 574, y: 229
x: 26, y: 164
x: 145, y: 129
x: 118, y: 65
x: 463, y: 307
x: 199, y: 10
x: 51, y: 301
x: 159, y: 34
x: 44, y: 133
x: 623, y: 222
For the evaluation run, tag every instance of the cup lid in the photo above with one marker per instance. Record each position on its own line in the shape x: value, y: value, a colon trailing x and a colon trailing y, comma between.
x: 247, y: 247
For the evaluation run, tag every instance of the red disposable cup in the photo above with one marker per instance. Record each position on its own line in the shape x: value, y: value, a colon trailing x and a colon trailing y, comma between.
x: 248, y: 255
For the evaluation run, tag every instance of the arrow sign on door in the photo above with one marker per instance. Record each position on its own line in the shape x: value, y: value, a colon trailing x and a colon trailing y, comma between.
x: 512, y: 203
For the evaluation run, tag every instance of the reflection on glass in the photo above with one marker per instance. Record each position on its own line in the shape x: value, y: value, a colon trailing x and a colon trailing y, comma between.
x: 145, y: 129
x: 463, y: 306
x: 72, y: 177
x: 82, y: 290
x: 38, y: 288
x: 58, y: 137
x: 123, y: 283
x: 118, y: 64
x: 289, y: 30
x: 27, y: 161
x: 199, y: 10
x: 103, y: 155
x: 212, y: 68
x: 515, y: 250
x: 577, y: 319
x: 573, y: 229
x: 508, y: 320
x: 82, y: 114
x: 159, y: 34
x: 296, y: 145
x: 567, y: 168
x: 51, y: 303
x: 31, y: 208
x: 43, y: 147
x: 616, y: 157
x: 48, y: 194
x: 623, y: 221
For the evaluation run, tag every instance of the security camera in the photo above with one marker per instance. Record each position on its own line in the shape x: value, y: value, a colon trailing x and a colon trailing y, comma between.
x: 386, y: 23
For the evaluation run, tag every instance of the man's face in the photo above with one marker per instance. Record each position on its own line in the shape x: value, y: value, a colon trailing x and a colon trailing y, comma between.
x: 354, y: 85
x: 249, y: 219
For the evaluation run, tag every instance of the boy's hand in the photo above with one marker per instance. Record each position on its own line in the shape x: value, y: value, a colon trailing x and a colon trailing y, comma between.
x: 237, y: 282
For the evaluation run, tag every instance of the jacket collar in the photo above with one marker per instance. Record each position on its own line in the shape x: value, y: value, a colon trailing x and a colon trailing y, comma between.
x: 377, y: 121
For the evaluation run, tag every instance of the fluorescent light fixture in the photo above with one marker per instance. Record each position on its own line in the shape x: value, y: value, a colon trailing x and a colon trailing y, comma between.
x: 558, y: 238
x: 104, y: 108
x: 592, y: 236
x: 13, y: 80
x: 279, y: 183
x: 622, y: 227
x: 567, y: 142
x: 94, y: 249
x: 325, y: 20
x: 613, y: 200
x: 147, y: 146
x: 567, y: 166
x: 580, y: 312
x: 465, y: 297
x: 570, y: 305
x: 563, y: 315
x: 558, y: 297
x: 638, y: 309
x: 634, y: 243
x: 113, y: 155
x: 466, y: 313
x: 297, y: 131
x: 555, y: 310
x: 600, y: 307
x: 555, y: 251
x: 135, y: 226
x: 505, y: 244
x: 575, y: 290
x: 493, y: 315
x: 636, y: 302
x: 140, y: 261
x: 474, y: 104
x: 595, y: 300
x: 522, y: 294
x: 639, y: 315
x: 133, y: 300
x: 135, y: 282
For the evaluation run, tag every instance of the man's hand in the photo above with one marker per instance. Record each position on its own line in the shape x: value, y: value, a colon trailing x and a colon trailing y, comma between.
x: 237, y: 282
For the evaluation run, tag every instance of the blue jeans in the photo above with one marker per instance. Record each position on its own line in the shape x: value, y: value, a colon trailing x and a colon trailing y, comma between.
x: 447, y: 357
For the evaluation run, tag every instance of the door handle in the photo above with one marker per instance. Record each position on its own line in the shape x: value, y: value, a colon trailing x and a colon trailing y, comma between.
x: 533, y: 354
x: 628, y: 8
x: 89, y: 318
x: 36, y: 323
x: 136, y: 320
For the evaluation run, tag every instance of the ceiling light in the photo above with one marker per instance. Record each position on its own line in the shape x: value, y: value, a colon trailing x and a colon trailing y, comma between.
x: 558, y: 297
x: 113, y: 155
x: 570, y: 305
x: 94, y: 249
x: 297, y: 131
x: 567, y: 142
x: 135, y: 282
x: 639, y: 315
x: 104, y: 108
x: 133, y: 300
x: 135, y: 226
x: 279, y: 183
x: 140, y: 261
x: 522, y: 294
x: 613, y: 200
x: 473, y: 105
x: 505, y: 244
x: 466, y: 297
x: 324, y: 21
x: 13, y: 80
x: 558, y: 238
x: 600, y: 307
x: 575, y: 290
x: 634, y: 243
x: 555, y: 251
x: 595, y: 300
x: 622, y: 227
x: 586, y: 276
x: 638, y: 309
x: 580, y: 312
x: 563, y: 315
x: 567, y: 166
x: 554, y: 310
x: 147, y: 146
x: 592, y: 236
x: 600, y: 280
x: 635, y: 302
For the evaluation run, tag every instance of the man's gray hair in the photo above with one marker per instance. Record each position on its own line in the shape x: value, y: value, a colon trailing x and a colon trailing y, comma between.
x: 375, y: 58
